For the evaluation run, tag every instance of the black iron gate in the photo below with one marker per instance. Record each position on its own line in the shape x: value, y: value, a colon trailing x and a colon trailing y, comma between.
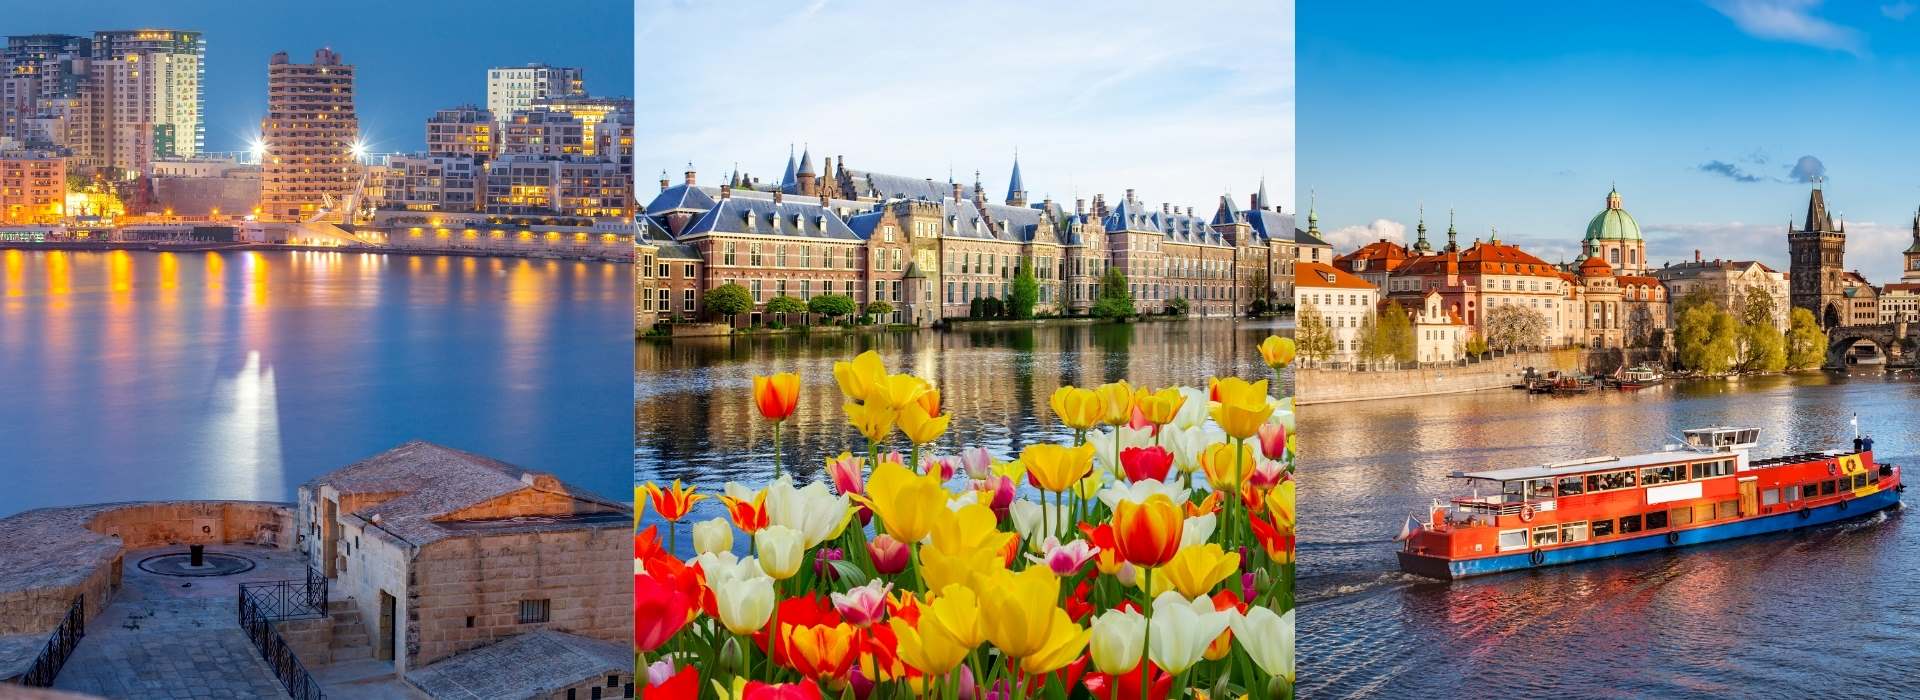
x: 261, y: 604
x: 53, y: 656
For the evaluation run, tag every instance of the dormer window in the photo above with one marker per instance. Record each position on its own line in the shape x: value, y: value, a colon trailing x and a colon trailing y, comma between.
x: 753, y: 222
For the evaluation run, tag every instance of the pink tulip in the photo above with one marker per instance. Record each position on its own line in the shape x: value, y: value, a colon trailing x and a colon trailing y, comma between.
x: 977, y: 462
x: 658, y: 672
x: 997, y: 493
x: 1266, y: 474
x: 940, y: 465
x: 889, y: 555
x: 1064, y: 559
x: 862, y: 606
x: 849, y: 474
x: 1273, y: 440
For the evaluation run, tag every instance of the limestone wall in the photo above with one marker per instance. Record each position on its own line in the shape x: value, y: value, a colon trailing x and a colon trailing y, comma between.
x: 373, y: 563
x: 145, y: 525
x: 585, y: 574
x: 1334, y: 385
x: 36, y: 611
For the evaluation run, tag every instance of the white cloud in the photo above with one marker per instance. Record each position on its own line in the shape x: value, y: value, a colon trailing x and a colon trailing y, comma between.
x: 1347, y: 238
x: 1149, y: 96
x: 1790, y: 21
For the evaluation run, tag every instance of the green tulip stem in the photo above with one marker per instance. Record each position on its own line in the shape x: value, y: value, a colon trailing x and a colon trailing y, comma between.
x: 1146, y: 637
x: 776, y: 449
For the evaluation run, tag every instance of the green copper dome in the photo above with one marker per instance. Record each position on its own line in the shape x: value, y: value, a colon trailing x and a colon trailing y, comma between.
x: 1613, y: 223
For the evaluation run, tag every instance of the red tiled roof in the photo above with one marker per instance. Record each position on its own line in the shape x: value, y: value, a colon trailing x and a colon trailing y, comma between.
x: 1324, y: 276
x: 1382, y: 254
x: 1483, y: 258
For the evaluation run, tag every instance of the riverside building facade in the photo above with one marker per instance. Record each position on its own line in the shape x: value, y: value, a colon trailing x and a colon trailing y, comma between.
x: 309, y: 170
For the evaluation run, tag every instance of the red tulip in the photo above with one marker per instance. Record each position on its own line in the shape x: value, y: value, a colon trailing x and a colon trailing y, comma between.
x: 659, y: 611
x: 1143, y: 463
x: 684, y: 685
x: 889, y: 555
x: 1100, y: 684
x: 804, y: 690
x: 1273, y: 440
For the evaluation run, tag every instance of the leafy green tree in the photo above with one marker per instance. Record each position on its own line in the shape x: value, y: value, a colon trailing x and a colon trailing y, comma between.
x: 1476, y: 345
x: 1707, y: 339
x: 1179, y: 306
x: 832, y: 306
x: 782, y: 305
x: 1396, y: 336
x: 727, y: 300
x: 1757, y: 307
x: 1116, y: 300
x: 878, y: 308
x: 1312, y: 334
x: 1806, y: 343
x: 1371, y: 346
x: 1696, y: 297
x: 1025, y: 294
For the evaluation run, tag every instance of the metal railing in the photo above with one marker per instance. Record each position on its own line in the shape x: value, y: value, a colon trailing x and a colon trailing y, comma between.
x: 261, y: 604
x: 60, y: 644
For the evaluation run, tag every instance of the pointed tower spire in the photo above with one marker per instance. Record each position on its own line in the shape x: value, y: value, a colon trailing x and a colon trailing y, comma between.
x: 1453, y: 243
x: 1313, y: 215
x: 1260, y: 200
x: 787, y: 180
x: 1817, y: 218
x: 804, y: 178
x: 1016, y: 190
x: 1420, y: 244
x: 1226, y: 215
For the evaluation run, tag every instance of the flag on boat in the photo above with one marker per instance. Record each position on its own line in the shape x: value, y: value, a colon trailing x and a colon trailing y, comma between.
x: 1408, y: 529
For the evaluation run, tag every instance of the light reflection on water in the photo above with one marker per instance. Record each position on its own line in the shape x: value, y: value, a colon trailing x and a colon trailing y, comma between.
x: 693, y: 397
x: 133, y: 375
x: 1773, y: 616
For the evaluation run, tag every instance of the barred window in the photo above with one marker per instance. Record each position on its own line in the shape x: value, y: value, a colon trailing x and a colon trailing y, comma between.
x: 535, y: 611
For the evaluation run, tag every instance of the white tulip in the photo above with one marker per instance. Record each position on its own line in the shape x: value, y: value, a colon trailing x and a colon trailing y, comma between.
x: 1117, y: 637
x: 814, y: 511
x: 1030, y: 517
x: 1139, y: 491
x: 1182, y: 629
x: 1268, y: 638
x: 711, y: 536
x: 1186, y: 444
x: 1193, y: 411
x: 782, y: 550
x: 744, y: 604
x: 1104, y: 449
x: 1197, y: 530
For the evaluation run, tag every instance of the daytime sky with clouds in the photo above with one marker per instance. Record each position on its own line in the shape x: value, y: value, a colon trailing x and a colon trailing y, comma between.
x: 1709, y: 116
x: 1181, y: 103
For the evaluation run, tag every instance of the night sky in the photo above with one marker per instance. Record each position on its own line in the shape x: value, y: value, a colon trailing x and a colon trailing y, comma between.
x: 412, y: 57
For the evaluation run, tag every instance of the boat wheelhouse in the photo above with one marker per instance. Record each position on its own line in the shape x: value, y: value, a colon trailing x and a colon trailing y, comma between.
x: 1705, y: 489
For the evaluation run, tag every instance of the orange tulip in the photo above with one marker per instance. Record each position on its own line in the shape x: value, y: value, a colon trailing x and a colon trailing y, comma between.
x: 1227, y: 465
x: 748, y: 515
x: 821, y: 651
x: 1147, y: 533
x: 1159, y: 407
x: 776, y: 396
x: 674, y: 502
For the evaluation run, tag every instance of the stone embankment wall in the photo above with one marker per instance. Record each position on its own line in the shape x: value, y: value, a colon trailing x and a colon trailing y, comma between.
x: 468, y: 590
x: 54, y: 554
x: 1317, y: 385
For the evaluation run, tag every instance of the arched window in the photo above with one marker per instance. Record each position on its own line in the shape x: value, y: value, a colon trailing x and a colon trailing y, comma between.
x: 1614, y: 254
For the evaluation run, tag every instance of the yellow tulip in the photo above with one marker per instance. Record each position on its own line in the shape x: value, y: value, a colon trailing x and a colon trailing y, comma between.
x: 1159, y: 407
x: 1194, y: 571
x: 1062, y: 645
x: 872, y: 420
x: 920, y: 427
x: 1242, y: 407
x: 897, y: 390
x: 858, y: 378
x: 1116, y: 402
x: 967, y: 549
x: 1277, y: 351
x: 1089, y: 487
x: 949, y: 629
x: 1280, y: 503
x: 1078, y: 408
x: 1017, y: 611
x: 1056, y: 467
x: 907, y: 504
x: 1222, y: 471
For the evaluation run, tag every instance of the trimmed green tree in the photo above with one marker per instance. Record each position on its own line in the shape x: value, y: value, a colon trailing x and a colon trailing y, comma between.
x: 832, y: 306
x: 783, y: 305
x: 877, y: 308
x: 727, y: 300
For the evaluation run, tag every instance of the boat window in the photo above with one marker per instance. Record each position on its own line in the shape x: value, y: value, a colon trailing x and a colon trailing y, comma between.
x: 1704, y: 470
x: 1652, y: 476
x: 1860, y: 480
x: 1703, y: 512
x: 1826, y: 488
x: 1513, y: 539
x: 1656, y: 520
x: 1545, y: 535
x: 1748, y: 437
x: 1539, y: 489
x: 1790, y: 493
x: 1728, y: 510
x: 1770, y: 497
x: 1510, y: 491
x: 1629, y: 524
x: 1573, y: 532
x: 1681, y: 516
x: 1571, y: 486
x: 1602, y: 528
x: 1610, y: 481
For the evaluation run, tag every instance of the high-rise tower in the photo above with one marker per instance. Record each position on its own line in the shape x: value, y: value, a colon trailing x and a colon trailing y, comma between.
x: 310, y: 133
x: 1818, y: 251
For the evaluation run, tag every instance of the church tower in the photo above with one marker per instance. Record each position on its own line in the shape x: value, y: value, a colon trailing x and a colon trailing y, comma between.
x: 1911, y: 264
x: 1818, y: 252
x: 1016, y: 189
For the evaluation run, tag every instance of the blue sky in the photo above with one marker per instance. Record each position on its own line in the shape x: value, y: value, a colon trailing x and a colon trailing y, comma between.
x: 1177, y: 101
x: 1521, y: 115
x: 412, y: 58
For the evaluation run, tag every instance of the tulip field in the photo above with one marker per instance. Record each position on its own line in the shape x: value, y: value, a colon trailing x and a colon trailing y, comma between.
x: 1151, y: 557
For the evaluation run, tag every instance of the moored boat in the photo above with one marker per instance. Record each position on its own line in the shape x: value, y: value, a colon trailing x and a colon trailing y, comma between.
x: 1638, y: 377
x: 1705, y: 490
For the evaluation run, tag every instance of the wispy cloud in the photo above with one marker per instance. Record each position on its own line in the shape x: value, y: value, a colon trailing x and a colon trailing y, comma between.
x: 1347, y: 238
x: 1872, y: 248
x: 1728, y: 170
x: 1093, y: 105
x: 1898, y: 11
x: 1791, y: 21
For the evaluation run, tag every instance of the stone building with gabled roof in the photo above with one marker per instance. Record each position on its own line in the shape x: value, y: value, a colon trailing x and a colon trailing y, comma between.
x: 441, y: 551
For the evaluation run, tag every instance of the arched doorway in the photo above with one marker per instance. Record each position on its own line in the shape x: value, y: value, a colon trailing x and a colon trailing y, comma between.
x: 1832, y: 317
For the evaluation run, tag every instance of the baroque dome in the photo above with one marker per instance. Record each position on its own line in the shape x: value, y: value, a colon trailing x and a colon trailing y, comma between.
x: 1613, y: 223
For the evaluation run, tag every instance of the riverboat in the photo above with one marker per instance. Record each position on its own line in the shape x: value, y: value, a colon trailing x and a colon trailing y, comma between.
x: 1637, y: 377
x: 1705, y: 489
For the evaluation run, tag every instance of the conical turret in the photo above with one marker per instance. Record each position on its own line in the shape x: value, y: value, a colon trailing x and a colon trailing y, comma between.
x: 1420, y: 244
x: 1016, y: 190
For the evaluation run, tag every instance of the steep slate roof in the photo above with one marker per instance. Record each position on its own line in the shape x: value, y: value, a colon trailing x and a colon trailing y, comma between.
x: 884, y: 186
x: 681, y: 196
x: 1132, y: 215
x: 1014, y: 186
x: 864, y: 223
x: 731, y: 215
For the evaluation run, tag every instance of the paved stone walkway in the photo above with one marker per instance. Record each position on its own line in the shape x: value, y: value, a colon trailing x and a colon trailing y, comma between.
x: 173, y: 637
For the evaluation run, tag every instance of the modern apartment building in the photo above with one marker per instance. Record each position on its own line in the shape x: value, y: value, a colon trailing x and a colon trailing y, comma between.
x: 511, y: 90
x: 33, y: 187
x: 171, y: 69
x: 309, y: 170
x: 466, y: 130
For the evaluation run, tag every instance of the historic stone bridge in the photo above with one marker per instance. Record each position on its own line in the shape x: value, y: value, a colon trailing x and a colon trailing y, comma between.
x: 1894, y: 344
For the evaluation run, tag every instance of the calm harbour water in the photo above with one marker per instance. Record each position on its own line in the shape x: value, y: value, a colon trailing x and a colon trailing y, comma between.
x: 1828, y: 612
x: 694, y: 417
x: 134, y: 375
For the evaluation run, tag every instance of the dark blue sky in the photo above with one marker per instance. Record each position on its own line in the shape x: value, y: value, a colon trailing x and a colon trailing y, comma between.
x: 412, y: 57
x: 1522, y: 114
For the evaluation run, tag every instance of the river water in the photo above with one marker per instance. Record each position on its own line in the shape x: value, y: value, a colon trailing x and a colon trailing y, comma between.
x: 1828, y: 612
x: 694, y: 417
x: 135, y: 375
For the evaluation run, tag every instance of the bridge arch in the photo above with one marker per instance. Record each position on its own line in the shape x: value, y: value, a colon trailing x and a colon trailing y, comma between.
x: 1890, y: 343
